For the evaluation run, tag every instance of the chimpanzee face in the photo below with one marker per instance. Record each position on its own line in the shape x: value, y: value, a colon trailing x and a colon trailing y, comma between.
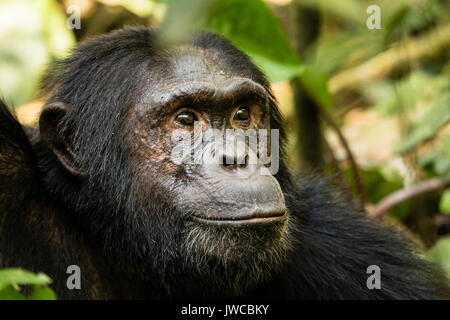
x: 189, y: 140
x: 169, y: 159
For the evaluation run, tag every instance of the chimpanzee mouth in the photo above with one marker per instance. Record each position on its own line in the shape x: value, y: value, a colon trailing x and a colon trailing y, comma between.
x: 259, y: 218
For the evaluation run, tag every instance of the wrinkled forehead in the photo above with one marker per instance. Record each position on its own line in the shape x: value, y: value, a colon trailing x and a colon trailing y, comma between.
x: 188, y: 65
x: 198, y: 73
x: 192, y: 65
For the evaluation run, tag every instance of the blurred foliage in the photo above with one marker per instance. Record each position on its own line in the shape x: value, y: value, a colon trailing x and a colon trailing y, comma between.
x: 440, y: 254
x: 437, y: 161
x: 400, y: 72
x: 32, y: 33
x: 380, y: 182
x: 11, y: 279
x: 315, y: 82
x: 407, y: 64
x: 444, y: 204
x: 260, y: 36
x: 141, y: 8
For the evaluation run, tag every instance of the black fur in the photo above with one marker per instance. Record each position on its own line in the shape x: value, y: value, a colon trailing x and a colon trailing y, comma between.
x: 50, y: 219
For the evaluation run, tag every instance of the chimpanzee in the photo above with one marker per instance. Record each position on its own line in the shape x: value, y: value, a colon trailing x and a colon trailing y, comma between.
x: 96, y: 186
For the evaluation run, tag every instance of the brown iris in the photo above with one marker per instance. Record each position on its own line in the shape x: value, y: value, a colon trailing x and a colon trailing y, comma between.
x: 242, y: 114
x: 186, y: 118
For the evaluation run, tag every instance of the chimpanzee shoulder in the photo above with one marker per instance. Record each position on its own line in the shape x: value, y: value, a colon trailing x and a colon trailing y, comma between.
x: 335, y: 246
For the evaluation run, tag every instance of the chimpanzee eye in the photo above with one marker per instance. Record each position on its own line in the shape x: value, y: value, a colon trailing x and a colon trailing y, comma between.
x: 186, y: 118
x: 242, y: 114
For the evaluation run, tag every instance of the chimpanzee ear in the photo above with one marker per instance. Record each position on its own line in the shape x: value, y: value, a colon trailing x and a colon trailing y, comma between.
x: 54, y: 137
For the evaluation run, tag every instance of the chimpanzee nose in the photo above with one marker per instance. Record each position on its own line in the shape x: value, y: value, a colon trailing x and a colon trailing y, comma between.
x: 234, y: 162
x: 239, y: 161
x: 230, y: 157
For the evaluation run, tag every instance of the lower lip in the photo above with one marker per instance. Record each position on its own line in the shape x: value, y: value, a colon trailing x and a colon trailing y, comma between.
x: 243, y: 222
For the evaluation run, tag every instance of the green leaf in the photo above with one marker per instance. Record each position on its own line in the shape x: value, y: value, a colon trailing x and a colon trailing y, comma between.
x: 315, y: 81
x: 10, y: 293
x: 57, y: 37
x: 440, y: 254
x: 19, y: 276
x: 336, y: 50
x: 437, y: 160
x: 444, y: 203
x: 407, y: 18
x: 11, y: 278
x: 33, y: 33
x: 260, y: 36
x: 42, y: 293
x: 249, y: 24
x: 428, y: 125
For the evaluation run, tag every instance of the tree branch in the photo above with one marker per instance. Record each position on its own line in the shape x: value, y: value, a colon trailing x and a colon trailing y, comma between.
x: 381, y: 65
x: 355, y: 168
x: 404, y: 194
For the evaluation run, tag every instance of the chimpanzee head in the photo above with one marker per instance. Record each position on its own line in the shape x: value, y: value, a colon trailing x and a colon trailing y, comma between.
x: 209, y: 211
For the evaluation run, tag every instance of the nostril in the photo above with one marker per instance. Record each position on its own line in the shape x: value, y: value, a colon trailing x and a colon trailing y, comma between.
x: 232, y: 163
x: 228, y: 163
x: 243, y: 164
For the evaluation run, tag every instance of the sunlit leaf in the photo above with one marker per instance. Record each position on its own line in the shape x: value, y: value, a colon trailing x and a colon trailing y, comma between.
x: 440, y: 254
x: 444, y: 203
x: 11, y: 293
x: 11, y: 278
x: 41, y: 293
x: 58, y: 38
x: 31, y: 34
x: 19, y: 276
